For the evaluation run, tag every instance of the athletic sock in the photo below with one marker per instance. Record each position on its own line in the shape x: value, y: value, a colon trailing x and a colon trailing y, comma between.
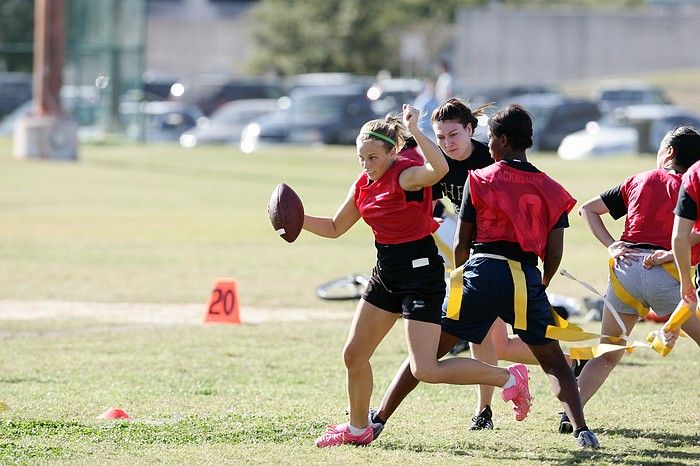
x: 355, y: 430
x: 378, y: 420
x: 578, y: 431
x: 510, y: 383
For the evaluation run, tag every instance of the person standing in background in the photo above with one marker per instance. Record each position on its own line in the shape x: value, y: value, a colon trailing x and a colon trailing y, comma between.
x: 444, y: 88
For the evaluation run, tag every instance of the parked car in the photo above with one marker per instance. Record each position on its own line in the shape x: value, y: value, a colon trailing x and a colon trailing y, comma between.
x: 209, y: 92
x: 388, y: 95
x: 555, y: 116
x: 226, y: 124
x: 305, y: 80
x: 674, y: 118
x: 159, y: 86
x: 631, y: 129
x: 499, y: 95
x: 599, y: 139
x: 158, y: 121
x: 82, y: 102
x: 15, y: 89
x: 313, y: 115
x: 613, y: 96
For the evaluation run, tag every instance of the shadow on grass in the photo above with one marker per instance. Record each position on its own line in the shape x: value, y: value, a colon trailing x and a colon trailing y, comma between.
x: 664, y: 439
x: 672, y: 450
x: 667, y: 452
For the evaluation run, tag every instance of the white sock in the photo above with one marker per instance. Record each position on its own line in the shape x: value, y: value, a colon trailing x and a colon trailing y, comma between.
x: 510, y: 383
x: 355, y: 430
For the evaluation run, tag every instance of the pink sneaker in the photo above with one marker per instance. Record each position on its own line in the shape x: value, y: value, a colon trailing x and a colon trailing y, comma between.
x: 519, y: 393
x: 340, y: 435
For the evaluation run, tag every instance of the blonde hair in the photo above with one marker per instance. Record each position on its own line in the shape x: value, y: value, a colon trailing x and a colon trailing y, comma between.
x: 391, y: 126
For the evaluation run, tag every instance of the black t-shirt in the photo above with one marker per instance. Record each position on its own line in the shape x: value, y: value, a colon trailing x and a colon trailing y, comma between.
x: 452, y: 184
x: 686, y: 207
x: 505, y: 248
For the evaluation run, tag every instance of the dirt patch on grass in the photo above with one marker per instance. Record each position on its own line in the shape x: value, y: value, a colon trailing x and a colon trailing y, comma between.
x: 165, y: 314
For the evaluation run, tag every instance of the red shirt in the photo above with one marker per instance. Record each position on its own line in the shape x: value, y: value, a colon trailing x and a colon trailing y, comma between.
x: 650, y: 198
x: 383, y: 206
x: 517, y: 206
x: 691, y: 185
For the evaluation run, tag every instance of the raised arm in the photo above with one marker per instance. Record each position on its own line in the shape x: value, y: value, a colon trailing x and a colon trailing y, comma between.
x: 415, y: 178
x: 591, y: 213
x: 345, y: 217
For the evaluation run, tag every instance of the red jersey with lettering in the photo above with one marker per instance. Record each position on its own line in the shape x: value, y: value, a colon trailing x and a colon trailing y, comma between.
x: 650, y: 198
x: 517, y: 206
x: 383, y: 206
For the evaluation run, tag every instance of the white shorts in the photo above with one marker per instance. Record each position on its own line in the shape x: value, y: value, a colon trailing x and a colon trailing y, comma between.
x: 653, y: 287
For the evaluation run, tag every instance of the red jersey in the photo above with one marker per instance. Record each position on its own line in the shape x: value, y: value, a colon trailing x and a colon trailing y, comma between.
x: 650, y: 198
x: 517, y: 206
x: 384, y: 207
x: 412, y: 154
x: 691, y: 185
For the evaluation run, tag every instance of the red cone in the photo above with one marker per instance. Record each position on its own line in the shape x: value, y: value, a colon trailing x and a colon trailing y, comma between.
x: 114, y: 413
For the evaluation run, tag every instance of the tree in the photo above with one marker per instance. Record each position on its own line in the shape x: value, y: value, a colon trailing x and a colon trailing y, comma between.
x: 297, y: 36
x: 359, y: 36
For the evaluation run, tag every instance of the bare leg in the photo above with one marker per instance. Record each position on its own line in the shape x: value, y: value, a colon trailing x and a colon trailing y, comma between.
x: 404, y: 382
x: 692, y: 328
x: 486, y: 352
x: 510, y: 347
x: 369, y: 326
x: 423, y: 339
x: 597, y: 370
x: 551, y: 358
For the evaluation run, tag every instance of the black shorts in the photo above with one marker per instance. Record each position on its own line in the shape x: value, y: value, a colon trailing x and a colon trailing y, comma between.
x: 488, y: 292
x: 408, y: 279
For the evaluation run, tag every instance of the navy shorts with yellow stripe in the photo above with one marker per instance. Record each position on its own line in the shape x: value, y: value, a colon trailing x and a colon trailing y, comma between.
x: 488, y: 293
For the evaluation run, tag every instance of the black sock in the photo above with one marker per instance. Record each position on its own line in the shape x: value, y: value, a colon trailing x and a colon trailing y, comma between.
x: 376, y: 418
x: 578, y: 431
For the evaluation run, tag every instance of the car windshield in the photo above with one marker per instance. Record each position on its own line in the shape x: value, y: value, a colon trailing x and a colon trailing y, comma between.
x: 612, y: 120
x: 320, y: 106
x: 629, y: 95
x: 540, y: 114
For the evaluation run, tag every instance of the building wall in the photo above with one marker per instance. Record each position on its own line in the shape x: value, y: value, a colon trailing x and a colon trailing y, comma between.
x: 196, y: 36
x: 496, y: 47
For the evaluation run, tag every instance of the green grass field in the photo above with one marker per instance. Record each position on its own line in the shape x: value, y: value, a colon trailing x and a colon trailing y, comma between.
x: 156, y: 224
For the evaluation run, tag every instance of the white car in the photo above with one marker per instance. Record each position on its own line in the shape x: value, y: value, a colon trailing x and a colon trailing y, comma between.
x: 227, y: 122
x: 599, y: 139
x: 631, y: 129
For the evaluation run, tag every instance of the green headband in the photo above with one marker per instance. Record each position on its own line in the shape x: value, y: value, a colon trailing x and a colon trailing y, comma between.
x: 381, y: 136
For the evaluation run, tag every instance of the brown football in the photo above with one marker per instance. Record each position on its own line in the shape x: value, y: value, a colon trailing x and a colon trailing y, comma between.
x: 286, y: 212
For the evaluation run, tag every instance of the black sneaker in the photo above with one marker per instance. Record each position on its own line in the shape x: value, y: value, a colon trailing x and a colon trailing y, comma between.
x: 484, y: 420
x: 460, y: 346
x: 377, y: 425
x: 565, y: 426
x: 577, y: 366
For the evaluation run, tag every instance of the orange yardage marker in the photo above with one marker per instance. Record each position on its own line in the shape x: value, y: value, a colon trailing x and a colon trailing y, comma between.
x: 223, y: 303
